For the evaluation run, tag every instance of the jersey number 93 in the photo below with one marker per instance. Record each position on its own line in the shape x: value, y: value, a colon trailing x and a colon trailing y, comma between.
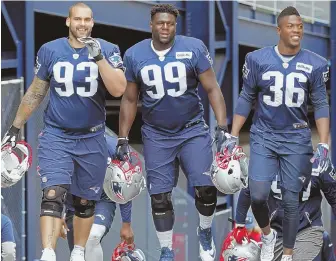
x: 67, y: 78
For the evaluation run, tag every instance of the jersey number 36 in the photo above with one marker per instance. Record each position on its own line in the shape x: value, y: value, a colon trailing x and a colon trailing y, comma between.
x: 290, y: 91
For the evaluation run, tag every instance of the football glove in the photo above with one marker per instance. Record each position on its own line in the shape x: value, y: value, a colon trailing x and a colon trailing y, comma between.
x: 240, y: 234
x: 220, y: 137
x: 321, y: 160
x: 123, y: 149
x: 11, y: 136
x: 93, y: 46
x: 230, y: 142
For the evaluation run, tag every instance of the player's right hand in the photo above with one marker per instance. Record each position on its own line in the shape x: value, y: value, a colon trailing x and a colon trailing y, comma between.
x: 11, y: 136
x: 126, y: 233
x: 230, y: 143
x: 123, y: 149
x: 220, y: 137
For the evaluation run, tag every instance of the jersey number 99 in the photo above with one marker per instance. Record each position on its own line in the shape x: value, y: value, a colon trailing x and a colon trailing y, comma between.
x: 157, y: 79
x: 67, y: 79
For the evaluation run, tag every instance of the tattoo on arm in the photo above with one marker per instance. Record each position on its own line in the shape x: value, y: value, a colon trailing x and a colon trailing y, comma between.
x: 30, y: 101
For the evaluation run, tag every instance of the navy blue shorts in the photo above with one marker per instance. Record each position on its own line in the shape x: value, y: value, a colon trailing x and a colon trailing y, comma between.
x: 191, y: 149
x: 81, y: 163
x: 272, y: 154
x: 105, y: 212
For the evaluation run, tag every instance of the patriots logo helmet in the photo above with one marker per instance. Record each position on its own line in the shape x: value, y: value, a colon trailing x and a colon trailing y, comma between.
x: 124, y: 180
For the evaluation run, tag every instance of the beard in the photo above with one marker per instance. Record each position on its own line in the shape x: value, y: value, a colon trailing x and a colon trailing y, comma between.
x: 78, y: 34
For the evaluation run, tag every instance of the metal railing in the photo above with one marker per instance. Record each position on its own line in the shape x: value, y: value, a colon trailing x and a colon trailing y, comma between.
x: 310, y: 11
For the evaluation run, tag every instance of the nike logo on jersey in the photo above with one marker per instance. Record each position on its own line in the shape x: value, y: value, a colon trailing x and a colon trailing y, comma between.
x: 183, y: 55
x: 304, y: 67
x: 102, y: 217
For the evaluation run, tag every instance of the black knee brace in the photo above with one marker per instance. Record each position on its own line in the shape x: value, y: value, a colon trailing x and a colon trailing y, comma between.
x: 162, y: 211
x: 83, y: 208
x: 206, y: 200
x: 53, y: 200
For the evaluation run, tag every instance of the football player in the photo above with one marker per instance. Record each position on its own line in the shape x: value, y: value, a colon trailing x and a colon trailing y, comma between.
x: 103, y: 218
x: 8, y: 245
x: 166, y: 70
x: 72, y: 148
x: 311, y: 242
x: 281, y: 79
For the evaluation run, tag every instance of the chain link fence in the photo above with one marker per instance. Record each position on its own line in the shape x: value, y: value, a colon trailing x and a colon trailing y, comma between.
x: 13, y: 202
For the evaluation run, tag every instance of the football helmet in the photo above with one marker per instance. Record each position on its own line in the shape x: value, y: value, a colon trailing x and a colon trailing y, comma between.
x: 124, y: 180
x: 247, y: 251
x: 125, y: 252
x: 229, y: 170
x: 15, y: 161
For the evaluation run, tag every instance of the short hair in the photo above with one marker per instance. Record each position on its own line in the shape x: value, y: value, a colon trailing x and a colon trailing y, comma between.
x: 164, y: 8
x: 290, y: 10
x: 80, y: 4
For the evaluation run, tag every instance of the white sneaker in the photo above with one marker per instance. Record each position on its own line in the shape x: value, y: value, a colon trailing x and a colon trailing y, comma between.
x: 206, y: 244
x: 48, y: 254
x: 267, y: 248
x: 287, y: 258
x: 77, y: 256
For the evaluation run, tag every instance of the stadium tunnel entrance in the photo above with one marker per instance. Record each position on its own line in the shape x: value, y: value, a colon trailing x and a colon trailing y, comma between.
x: 124, y: 38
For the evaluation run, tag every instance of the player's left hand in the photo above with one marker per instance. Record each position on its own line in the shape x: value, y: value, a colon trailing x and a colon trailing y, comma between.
x: 220, y: 137
x: 64, y: 228
x: 126, y: 233
x: 93, y: 46
x: 321, y: 160
x: 12, y: 136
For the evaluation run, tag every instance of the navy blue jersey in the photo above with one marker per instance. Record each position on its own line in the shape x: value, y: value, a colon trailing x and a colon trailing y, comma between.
x: 310, y: 200
x: 111, y: 145
x: 168, y: 84
x: 77, y: 92
x: 282, y: 90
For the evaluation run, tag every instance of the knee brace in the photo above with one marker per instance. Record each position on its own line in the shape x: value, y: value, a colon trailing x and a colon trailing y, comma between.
x: 53, y: 200
x: 8, y: 252
x: 83, y: 208
x: 206, y: 200
x: 162, y: 211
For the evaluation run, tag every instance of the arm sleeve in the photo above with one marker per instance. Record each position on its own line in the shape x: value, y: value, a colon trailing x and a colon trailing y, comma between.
x: 129, y: 70
x: 126, y: 212
x: 319, y: 92
x: 41, y: 64
x: 329, y: 187
x: 249, y: 91
x: 114, y: 57
x: 203, y: 59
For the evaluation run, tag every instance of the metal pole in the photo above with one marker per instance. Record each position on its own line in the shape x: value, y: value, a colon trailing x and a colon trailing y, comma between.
x: 23, y: 187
